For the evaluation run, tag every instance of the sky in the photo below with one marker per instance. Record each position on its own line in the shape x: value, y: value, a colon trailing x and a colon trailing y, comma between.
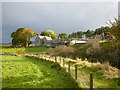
x: 60, y: 17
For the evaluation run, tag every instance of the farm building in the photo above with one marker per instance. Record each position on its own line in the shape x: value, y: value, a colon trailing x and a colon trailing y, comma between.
x: 77, y: 42
x: 43, y: 40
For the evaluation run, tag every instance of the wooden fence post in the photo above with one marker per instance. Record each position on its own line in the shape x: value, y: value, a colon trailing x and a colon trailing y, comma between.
x: 69, y: 66
x: 75, y: 71
x: 49, y: 57
x: 91, y: 81
x: 60, y: 59
x: 63, y: 62
x: 55, y: 58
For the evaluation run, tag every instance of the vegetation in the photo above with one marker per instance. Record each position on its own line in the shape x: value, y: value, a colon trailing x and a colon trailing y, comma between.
x: 89, y: 33
x: 26, y: 72
x: 115, y: 41
x: 79, y: 34
x: 102, y: 31
x: 103, y: 48
x: 49, y: 33
x: 36, y: 49
x: 99, y: 70
x: 63, y: 35
x: 27, y: 49
x: 22, y: 36
x: 98, y: 79
x: 64, y: 51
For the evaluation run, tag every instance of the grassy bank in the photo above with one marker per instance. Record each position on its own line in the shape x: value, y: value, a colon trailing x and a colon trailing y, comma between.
x: 104, y: 75
x: 26, y: 72
x: 99, y: 80
x: 26, y: 50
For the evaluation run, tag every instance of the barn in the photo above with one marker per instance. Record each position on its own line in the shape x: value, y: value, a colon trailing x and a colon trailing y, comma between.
x: 43, y: 41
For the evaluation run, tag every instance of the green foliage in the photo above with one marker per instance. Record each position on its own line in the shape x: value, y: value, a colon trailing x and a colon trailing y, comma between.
x: 49, y: 33
x: 73, y: 35
x: 79, y: 34
x: 101, y: 30
x: 22, y: 36
x: 76, y: 34
x: 115, y: 41
x: 28, y: 72
x: 99, y: 80
x: 89, y: 33
x: 63, y: 36
x: 115, y: 32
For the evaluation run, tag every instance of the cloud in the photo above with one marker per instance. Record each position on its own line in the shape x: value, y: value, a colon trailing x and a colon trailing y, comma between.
x: 58, y: 16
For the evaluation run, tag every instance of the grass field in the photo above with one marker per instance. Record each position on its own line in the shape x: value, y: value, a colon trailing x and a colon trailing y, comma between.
x: 36, y: 49
x: 27, y: 49
x: 26, y: 72
x: 31, y: 72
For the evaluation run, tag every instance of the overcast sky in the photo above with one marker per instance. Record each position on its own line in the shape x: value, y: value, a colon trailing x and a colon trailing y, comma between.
x: 58, y: 16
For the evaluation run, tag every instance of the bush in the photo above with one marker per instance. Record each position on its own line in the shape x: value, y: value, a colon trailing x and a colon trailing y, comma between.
x: 21, y: 52
x: 64, y: 51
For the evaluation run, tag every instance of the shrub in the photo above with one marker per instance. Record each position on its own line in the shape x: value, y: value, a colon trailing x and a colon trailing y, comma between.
x: 21, y: 52
x: 64, y: 51
x: 93, y: 47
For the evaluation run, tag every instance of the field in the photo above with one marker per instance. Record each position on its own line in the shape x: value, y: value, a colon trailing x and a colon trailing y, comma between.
x: 22, y: 72
x: 26, y: 72
x: 26, y: 50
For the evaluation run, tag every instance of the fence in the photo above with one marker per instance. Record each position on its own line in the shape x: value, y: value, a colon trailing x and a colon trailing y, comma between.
x: 70, y: 65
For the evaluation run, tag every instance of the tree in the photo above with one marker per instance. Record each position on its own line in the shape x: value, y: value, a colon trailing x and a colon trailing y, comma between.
x: 112, y: 49
x: 63, y: 35
x: 49, y: 33
x: 22, y: 36
x: 115, y: 41
x: 115, y: 29
x: 80, y: 33
x: 103, y: 31
x: 76, y: 34
x: 89, y: 33
x: 73, y: 35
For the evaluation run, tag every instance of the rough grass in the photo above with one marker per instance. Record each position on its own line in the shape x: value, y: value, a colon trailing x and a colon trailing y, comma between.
x: 100, y: 71
x: 27, y: 49
x: 104, y: 75
x: 99, y: 81
x: 26, y: 72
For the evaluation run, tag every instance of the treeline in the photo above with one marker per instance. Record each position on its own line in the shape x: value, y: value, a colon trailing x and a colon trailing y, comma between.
x: 103, y: 31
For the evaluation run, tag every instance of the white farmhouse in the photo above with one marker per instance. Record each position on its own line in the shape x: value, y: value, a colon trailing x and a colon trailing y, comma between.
x: 42, y: 40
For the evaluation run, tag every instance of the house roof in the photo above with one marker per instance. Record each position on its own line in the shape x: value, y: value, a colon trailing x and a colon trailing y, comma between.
x: 78, y: 41
x: 46, y: 37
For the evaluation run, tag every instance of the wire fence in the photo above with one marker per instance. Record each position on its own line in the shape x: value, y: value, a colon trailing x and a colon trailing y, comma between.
x: 84, y: 80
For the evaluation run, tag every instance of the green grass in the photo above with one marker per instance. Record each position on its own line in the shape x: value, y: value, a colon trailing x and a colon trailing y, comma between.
x: 27, y: 49
x: 29, y: 72
x: 98, y: 79
x: 4, y: 46
x: 36, y: 49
